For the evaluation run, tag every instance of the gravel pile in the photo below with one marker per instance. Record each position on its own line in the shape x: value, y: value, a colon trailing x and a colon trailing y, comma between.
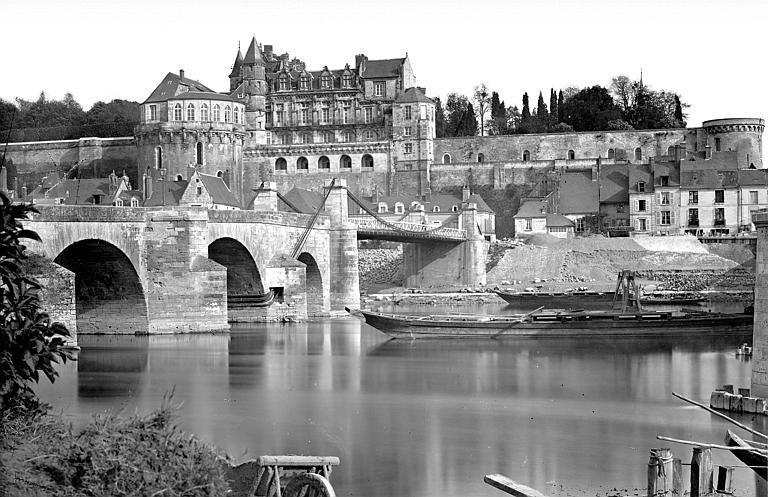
x: 692, y: 281
x: 380, y: 267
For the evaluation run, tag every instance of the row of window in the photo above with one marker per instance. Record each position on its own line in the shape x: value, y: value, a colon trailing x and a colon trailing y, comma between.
x: 305, y: 115
x: 527, y: 155
x: 322, y: 137
x: 323, y: 162
x: 199, y: 155
x: 204, y: 113
x: 383, y: 208
x: 120, y: 203
x: 285, y: 83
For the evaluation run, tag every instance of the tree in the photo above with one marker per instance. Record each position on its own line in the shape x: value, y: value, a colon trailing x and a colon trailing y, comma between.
x: 618, y: 124
x: 541, y: 109
x: 560, y: 106
x: 526, y: 110
x: 679, y: 116
x: 591, y: 109
x: 44, y: 112
x: 469, y: 123
x: 498, y: 124
x: 553, y: 115
x: 440, y: 123
x: 482, y: 99
x: 29, y: 342
x: 456, y: 107
x: 9, y: 116
x: 513, y: 119
x: 116, y: 111
x: 645, y: 108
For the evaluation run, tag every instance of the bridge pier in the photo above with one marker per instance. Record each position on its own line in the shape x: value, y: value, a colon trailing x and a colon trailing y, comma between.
x: 437, y: 263
x: 759, y: 385
x: 345, y: 281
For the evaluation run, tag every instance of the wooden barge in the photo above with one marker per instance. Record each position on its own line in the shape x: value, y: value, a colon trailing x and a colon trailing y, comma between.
x: 560, y: 323
x: 583, y: 297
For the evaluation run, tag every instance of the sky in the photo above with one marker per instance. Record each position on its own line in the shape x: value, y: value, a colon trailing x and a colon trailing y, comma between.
x: 712, y: 53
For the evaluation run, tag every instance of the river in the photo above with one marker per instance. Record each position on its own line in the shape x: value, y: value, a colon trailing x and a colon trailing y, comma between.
x: 422, y: 418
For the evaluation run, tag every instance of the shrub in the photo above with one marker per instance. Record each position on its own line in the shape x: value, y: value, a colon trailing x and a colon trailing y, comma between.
x: 29, y: 342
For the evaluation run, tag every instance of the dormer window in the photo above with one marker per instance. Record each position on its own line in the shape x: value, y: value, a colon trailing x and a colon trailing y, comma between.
x: 304, y: 83
x: 284, y: 83
x: 455, y: 208
x: 641, y: 186
x: 119, y: 202
x: 383, y: 208
x: 399, y: 208
x: 134, y: 202
x: 326, y: 81
x: 346, y: 81
x: 436, y: 208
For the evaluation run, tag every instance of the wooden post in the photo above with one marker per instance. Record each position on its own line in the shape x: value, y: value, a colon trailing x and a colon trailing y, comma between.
x: 724, y: 479
x: 701, y: 472
x: 677, y: 477
x: 660, y: 473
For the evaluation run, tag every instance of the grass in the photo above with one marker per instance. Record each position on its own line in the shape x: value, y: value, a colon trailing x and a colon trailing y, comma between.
x: 115, y: 455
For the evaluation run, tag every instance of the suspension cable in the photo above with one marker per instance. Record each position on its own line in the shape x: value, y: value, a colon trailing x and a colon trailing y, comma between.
x: 394, y: 226
x: 303, y: 238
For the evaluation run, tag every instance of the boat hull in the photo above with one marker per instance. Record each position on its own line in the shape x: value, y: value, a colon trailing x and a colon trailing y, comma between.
x: 581, y: 298
x: 755, y: 460
x: 412, y: 327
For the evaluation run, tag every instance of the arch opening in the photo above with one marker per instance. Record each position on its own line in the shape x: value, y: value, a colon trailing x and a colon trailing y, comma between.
x: 314, y: 285
x: 109, y: 297
x: 243, y: 277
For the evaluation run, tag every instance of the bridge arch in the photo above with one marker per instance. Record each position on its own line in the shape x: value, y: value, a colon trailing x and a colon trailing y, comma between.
x: 109, y: 295
x: 243, y: 275
x: 314, y: 285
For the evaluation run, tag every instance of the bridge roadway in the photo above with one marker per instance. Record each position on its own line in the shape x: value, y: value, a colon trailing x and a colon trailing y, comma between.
x: 169, y: 270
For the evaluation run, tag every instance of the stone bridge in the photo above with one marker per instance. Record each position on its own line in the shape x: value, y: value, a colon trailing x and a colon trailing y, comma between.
x: 168, y: 270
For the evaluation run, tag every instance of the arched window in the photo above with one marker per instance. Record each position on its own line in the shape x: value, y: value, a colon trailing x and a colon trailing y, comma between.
x: 436, y: 208
x: 526, y: 156
x: 190, y: 112
x: 216, y: 113
x: 571, y: 155
x: 480, y: 157
x: 134, y: 202
x: 367, y: 161
x: 455, y: 208
x: 670, y: 150
x: 204, y: 112
x: 302, y: 163
x: 227, y: 114
x: 237, y: 115
x: 345, y: 162
x: 446, y: 159
x: 179, y: 177
x: 611, y: 153
x: 158, y: 158
x: 281, y: 164
x: 638, y: 153
x: 220, y: 174
x: 306, y: 138
x: 199, y: 153
x: 177, y: 112
x: 323, y: 163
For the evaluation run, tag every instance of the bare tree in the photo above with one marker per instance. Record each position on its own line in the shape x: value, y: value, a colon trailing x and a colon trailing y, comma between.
x: 482, y: 97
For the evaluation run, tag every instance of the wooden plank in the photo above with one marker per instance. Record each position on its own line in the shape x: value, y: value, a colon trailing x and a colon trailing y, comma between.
x: 290, y: 461
x: 510, y: 486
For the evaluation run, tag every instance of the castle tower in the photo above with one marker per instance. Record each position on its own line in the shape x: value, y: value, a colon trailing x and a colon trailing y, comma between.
x: 236, y: 76
x: 254, y: 88
x: 413, y: 134
x: 743, y: 136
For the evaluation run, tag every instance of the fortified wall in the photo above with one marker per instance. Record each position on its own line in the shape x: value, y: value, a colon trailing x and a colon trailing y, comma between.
x: 28, y: 163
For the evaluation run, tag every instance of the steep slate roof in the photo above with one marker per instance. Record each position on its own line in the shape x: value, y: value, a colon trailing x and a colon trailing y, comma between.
x: 385, y: 68
x: 165, y: 192
x: 237, y: 65
x: 578, y: 193
x: 669, y: 169
x: 721, y: 161
x: 614, y: 183
x: 251, y: 54
x: 640, y: 173
x: 81, y: 191
x: 558, y: 220
x: 217, y: 189
x: 413, y: 95
x: 306, y: 201
x: 532, y: 208
x: 170, y: 86
x: 709, y: 178
x: 753, y: 177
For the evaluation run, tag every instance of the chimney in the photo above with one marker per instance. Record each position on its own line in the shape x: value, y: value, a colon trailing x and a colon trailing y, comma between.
x: 678, y: 153
x: 465, y: 193
x: 181, y: 74
x: 360, y: 60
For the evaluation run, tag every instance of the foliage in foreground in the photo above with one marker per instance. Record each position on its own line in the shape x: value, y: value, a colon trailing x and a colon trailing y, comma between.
x: 113, y: 455
x: 29, y: 342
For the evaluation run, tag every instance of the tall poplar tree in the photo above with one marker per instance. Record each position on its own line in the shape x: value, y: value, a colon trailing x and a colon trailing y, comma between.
x: 560, y: 107
x: 440, y: 125
x: 526, y: 114
x: 541, y: 109
x: 553, y: 115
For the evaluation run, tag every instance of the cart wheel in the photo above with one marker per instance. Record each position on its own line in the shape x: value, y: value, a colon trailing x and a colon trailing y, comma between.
x: 309, y: 485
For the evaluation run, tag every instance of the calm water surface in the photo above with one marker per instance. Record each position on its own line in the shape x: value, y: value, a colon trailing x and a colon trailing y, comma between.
x: 422, y: 418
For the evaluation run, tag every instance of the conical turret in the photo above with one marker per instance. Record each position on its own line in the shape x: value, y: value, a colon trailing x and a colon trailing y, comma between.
x: 253, y: 55
x: 236, y: 76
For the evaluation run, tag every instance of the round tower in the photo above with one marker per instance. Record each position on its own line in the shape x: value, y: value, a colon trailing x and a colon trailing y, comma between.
x: 185, y: 126
x: 742, y: 136
x: 255, y: 89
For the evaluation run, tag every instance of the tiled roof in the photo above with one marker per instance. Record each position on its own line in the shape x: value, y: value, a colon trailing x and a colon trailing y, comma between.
x: 218, y: 190
x: 482, y: 206
x: 753, y: 177
x: 413, y: 95
x: 169, y: 87
x: 305, y: 200
x: 237, y: 65
x: 532, y: 208
x: 557, y: 220
x: 81, y: 191
x: 166, y: 192
x: 669, y: 169
x: 640, y: 173
x: 253, y: 53
x: 578, y: 193
x: 385, y: 68
x: 202, y: 95
x: 721, y: 161
x: 614, y: 183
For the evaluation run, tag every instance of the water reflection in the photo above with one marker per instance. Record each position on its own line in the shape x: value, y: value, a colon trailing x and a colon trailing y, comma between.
x: 426, y: 417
